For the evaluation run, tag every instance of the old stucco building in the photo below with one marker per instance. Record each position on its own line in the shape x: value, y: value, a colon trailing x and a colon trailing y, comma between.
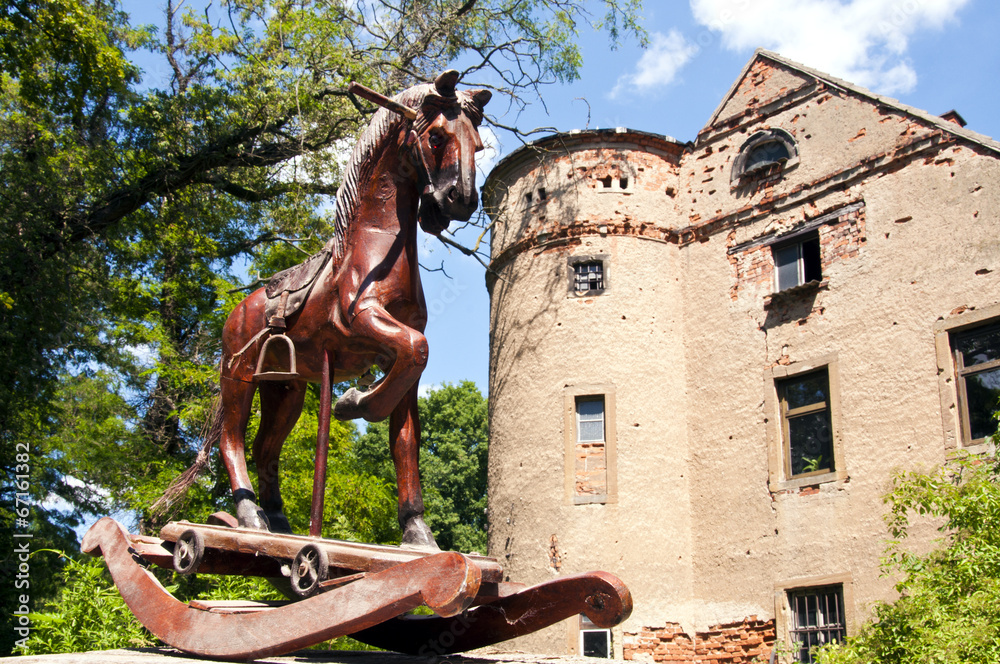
x: 708, y: 358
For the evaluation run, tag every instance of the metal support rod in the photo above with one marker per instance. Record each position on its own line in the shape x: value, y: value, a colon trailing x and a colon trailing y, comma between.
x: 322, y: 450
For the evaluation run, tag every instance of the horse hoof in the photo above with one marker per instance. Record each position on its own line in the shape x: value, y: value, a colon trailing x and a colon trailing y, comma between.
x: 348, y: 406
x: 417, y: 535
x: 278, y: 522
x: 251, y: 516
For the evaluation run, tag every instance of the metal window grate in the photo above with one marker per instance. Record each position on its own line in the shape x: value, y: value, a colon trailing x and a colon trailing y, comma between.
x: 588, y: 276
x: 817, y: 619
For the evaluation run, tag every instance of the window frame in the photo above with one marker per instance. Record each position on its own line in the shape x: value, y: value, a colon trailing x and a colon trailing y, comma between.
x: 779, y: 458
x: 585, y: 392
x: 573, y: 261
x: 740, y: 173
x: 793, y: 596
x: 954, y: 402
x: 783, y: 610
x: 809, y: 269
x: 788, y: 414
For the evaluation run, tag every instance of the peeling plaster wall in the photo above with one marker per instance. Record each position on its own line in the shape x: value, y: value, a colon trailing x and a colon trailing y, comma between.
x: 690, y: 338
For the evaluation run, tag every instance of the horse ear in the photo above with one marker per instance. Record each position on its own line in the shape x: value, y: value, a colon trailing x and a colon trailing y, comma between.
x: 446, y: 82
x: 480, y: 97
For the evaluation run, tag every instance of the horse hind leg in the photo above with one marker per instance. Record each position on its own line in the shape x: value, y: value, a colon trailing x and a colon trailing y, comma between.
x: 280, y: 405
x: 237, y: 399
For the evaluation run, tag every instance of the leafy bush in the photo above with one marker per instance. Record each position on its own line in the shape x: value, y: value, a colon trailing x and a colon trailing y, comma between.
x: 949, y: 606
x: 82, y: 617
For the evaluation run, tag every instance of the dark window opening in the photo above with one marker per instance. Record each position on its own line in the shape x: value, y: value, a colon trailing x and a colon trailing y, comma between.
x: 527, y: 198
x: 817, y: 619
x: 594, y: 642
x: 542, y: 194
x: 797, y: 263
x: 765, y: 155
x: 623, y: 183
x: 764, y: 150
x: 588, y: 277
x: 977, y: 368
x: 807, y: 431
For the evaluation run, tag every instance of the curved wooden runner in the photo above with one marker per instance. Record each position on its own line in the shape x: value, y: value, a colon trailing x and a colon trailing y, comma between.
x: 518, y: 611
x: 445, y: 582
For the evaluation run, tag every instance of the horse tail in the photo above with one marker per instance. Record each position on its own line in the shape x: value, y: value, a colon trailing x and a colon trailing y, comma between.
x: 211, y: 433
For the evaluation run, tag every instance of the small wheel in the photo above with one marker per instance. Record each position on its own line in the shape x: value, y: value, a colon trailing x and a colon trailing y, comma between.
x: 309, y: 569
x: 188, y: 552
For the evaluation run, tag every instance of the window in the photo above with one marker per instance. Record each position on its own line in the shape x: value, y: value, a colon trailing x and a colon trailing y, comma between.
x: 764, y: 150
x: 817, y: 617
x: 588, y: 275
x: 764, y: 155
x: 594, y: 641
x: 590, y: 420
x: 591, y: 451
x: 797, y: 263
x: 977, y: 371
x: 805, y: 423
x: 589, y: 438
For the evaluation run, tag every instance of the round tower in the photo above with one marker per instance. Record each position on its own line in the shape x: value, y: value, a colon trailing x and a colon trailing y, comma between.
x: 587, y: 369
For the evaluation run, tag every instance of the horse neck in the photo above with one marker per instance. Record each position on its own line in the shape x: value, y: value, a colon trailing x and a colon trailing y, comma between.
x: 390, y: 198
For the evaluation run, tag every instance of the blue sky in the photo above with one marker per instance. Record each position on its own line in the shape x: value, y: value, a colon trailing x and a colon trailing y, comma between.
x: 936, y: 55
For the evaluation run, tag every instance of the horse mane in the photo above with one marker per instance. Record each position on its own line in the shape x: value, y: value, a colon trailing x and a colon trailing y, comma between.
x: 361, y: 165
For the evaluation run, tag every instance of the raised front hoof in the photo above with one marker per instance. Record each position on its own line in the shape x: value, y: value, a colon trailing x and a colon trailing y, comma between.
x: 416, y: 535
x: 353, y: 405
x: 251, y: 516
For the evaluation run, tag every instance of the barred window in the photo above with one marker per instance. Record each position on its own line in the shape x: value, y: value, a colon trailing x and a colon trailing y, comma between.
x: 588, y: 277
x: 817, y: 618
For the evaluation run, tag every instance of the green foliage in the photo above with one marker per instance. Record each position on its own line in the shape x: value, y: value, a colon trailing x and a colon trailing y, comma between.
x: 949, y: 606
x: 453, y: 452
x: 79, y: 620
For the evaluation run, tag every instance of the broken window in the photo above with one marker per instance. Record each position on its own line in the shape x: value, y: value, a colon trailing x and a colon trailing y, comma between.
x: 977, y: 369
x: 763, y: 150
x: 797, y: 262
x: 807, y: 432
x: 817, y: 618
x: 588, y: 277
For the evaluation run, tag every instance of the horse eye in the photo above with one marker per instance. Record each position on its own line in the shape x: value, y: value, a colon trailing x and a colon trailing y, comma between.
x: 436, y: 140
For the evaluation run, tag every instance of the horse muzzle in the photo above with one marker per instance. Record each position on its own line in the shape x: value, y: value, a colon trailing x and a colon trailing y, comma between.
x: 438, y: 208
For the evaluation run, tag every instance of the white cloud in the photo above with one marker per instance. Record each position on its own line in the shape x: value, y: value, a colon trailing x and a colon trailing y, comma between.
x: 659, y: 64
x: 862, y: 41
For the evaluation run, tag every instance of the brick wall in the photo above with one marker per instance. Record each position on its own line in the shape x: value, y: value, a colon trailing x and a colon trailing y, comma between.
x: 591, y: 470
x: 750, y: 640
x: 840, y: 239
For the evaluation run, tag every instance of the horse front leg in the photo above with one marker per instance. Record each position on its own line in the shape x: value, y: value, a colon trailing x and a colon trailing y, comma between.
x: 404, y: 442
x: 237, y: 399
x: 406, y: 345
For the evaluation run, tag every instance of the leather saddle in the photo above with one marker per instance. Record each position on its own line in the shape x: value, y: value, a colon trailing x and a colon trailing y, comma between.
x: 287, y: 290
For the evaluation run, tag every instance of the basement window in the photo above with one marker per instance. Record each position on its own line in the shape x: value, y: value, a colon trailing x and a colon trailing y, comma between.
x: 594, y: 641
x: 797, y: 262
x: 817, y: 619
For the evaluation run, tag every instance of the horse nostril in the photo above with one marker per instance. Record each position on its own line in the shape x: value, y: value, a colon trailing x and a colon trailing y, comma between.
x: 453, y: 194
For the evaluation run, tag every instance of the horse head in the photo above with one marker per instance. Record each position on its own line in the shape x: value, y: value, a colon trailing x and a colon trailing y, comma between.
x: 443, y: 141
x: 446, y: 140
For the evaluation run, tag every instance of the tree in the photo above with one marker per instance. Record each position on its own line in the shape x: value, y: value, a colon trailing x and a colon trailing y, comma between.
x: 125, y: 205
x: 453, y: 453
x: 949, y: 605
